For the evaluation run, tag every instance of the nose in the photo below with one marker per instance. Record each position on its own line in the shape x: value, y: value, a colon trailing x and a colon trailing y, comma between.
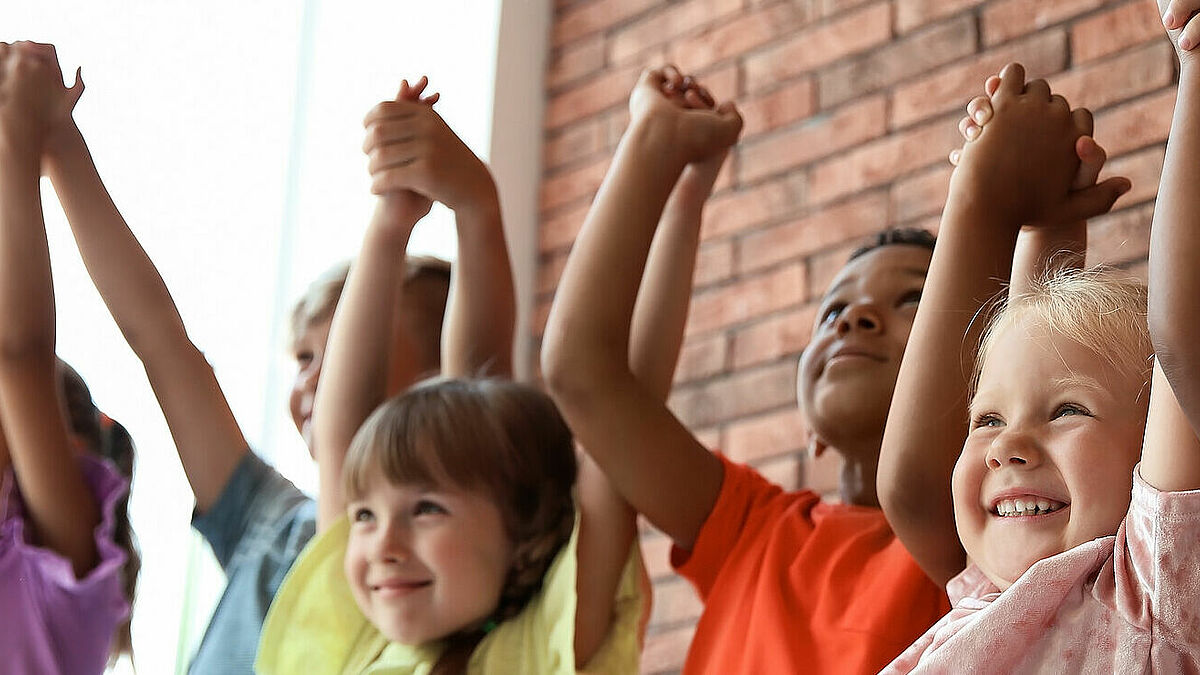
x: 1013, y: 449
x: 392, y: 543
x: 859, y: 316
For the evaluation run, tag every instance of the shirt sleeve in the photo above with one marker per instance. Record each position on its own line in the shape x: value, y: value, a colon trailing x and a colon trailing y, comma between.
x: 1156, y: 576
x: 747, y: 505
x: 256, y: 495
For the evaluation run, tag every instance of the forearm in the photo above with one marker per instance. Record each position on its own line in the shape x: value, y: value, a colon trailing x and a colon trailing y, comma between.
x: 587, y: 335
x: 206, y: 434
x: 355, y: 370
x: 1174, y: 277
x: 482, y: 307
x: 127, y: 280
x: 1042, y: 247
x: 26, y: 290
x: 927, y: 422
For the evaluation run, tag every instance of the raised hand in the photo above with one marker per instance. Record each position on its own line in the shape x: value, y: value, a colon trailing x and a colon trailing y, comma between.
x: 677, y: 106
x: 31, y: 93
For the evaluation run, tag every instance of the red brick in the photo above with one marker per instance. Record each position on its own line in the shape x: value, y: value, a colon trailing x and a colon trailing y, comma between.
x: 1006, y: 19
x: 746, y: 299
x: 714, y: 263
x: 611, y: 88
x: 574, y: 143
x: 701, y: 357
x: 784, y: 471
x: 829, y: 8
x: 820, y: 230
x: 820, y: 136
x: 738, y: 210
x: 1120, y: 237
x: 1120, y: 78
x: 736, y: 396
x: 1135, y: 125
x: 574, y: 62
x: 550, y: 270
x: 665, y: 25
x: 823, y: 474
x: 920, y: 195
x: 819, y: 45
x: 573, y: 184
x: 557, y: 232
x: 594, y: 16
x: 1143, y: 169
x: 722, y: 81
x: 912, y: 14
x: 883, y: 160
x: 675, y: 601
x: 1115, y: 30
x: 740, y: 34
x: 950, y: 88
x: 911, y: 55
x: 768, y: 435
x: 664, y: 652
x: 793, y: 101
x: 781, y: 335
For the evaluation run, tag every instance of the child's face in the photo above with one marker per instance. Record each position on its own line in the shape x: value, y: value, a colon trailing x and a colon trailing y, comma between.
x: 1056, y: 429
x: 309, y: 353
x: 848, y: 371
x: 425, y: 562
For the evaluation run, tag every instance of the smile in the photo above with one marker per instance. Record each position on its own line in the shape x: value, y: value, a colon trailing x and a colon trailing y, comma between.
x: 398, y: 588
x: 1026, y: 506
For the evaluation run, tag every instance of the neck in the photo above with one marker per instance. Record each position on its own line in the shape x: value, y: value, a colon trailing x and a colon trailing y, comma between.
x: 860, y: 463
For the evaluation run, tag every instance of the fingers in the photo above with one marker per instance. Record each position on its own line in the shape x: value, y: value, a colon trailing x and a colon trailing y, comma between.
x: 979, y: 110
x: 1091, y: 161
x: 990, y: 85
x: 654, y: 77
x: 432, y: 98
x: 732, y: 121
x: 1179, y: 15
x: 968, y: 129
x: 417, y: 89
x: 391, y: 110
x: 388, y: 131
x: 1039, y: 89
x: 1190, y: 37
x: 1082, y: 118
x: 392, y: 156
x: 1094, y: 201
x: 1012, y: 81
x: 955, y: 156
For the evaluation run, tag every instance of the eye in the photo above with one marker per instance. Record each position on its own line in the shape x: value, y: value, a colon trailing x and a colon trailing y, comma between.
x: 303, y: 359
x: 1070, y: 410
x: 363, y: 515
x: 986, y: 420
x: 912, y: 297
x: 426, y: 507
x: 832, y: 312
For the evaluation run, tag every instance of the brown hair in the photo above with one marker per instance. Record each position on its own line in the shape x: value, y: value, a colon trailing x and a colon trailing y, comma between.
x: 503, y: 438
x: 427, y: 288
x: 108, y: 439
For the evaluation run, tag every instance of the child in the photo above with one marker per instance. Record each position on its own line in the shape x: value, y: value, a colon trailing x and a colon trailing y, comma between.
x: 789, y: 584
x: 1057, y: 417
x: 453, y: 545
x: 60, y: 569
x: 256, y: 521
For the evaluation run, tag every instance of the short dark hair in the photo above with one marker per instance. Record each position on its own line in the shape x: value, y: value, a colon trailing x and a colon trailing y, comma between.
x: 897, y: 236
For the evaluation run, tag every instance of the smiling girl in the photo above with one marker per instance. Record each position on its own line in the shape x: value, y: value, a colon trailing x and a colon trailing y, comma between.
x: 1067, y: 572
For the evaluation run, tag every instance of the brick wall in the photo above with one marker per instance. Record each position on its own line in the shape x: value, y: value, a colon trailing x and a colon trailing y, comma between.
x: 851, y: 107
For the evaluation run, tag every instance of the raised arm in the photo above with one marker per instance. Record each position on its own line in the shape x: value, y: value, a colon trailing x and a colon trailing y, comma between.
x: 420, y: 152
x: 206, y: 434
x: 1171, y: 456
x: 61, y: 510
x: 651, y: 459
x: 608, y: 523
x: 1018, y: 171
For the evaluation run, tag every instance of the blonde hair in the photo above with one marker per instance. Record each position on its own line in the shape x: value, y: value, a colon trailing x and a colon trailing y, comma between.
x: 504, y: 439
x: 427, y: 288
x: 1101, y: 308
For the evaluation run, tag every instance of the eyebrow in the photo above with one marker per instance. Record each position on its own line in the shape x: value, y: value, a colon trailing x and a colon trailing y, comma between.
x: 911, y: 271
x: 1077, y: 381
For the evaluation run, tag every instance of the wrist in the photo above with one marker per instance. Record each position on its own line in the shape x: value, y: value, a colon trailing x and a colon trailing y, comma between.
x: 483, y: 206
x: 63, y: 139
x: 393, y: 222
x: 655, y: 138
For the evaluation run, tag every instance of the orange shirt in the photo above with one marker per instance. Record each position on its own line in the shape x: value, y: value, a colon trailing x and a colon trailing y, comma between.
x: 791, y: 584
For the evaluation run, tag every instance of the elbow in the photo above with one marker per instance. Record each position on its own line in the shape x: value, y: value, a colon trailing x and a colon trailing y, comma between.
x: 573, y: 371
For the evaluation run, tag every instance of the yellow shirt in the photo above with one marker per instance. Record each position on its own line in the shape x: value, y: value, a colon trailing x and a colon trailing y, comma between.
x: 314, y: 625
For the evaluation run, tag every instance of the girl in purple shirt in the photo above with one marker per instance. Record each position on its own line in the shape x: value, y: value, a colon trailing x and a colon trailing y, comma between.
x: 62, y: 583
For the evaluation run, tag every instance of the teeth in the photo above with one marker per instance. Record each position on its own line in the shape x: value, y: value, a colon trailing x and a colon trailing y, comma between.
x: 1026, y: 506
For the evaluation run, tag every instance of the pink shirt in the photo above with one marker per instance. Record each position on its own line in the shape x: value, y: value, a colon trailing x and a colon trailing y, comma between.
x: 1128, y: 603
x: 50, y: 621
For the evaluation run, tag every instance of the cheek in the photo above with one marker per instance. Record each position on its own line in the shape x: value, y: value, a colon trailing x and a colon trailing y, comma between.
x: 965, y: 483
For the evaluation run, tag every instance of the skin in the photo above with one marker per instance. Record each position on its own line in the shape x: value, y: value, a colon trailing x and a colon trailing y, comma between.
x: 1051, y: 422
x: 425, y: 561
x: 847, y: 373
